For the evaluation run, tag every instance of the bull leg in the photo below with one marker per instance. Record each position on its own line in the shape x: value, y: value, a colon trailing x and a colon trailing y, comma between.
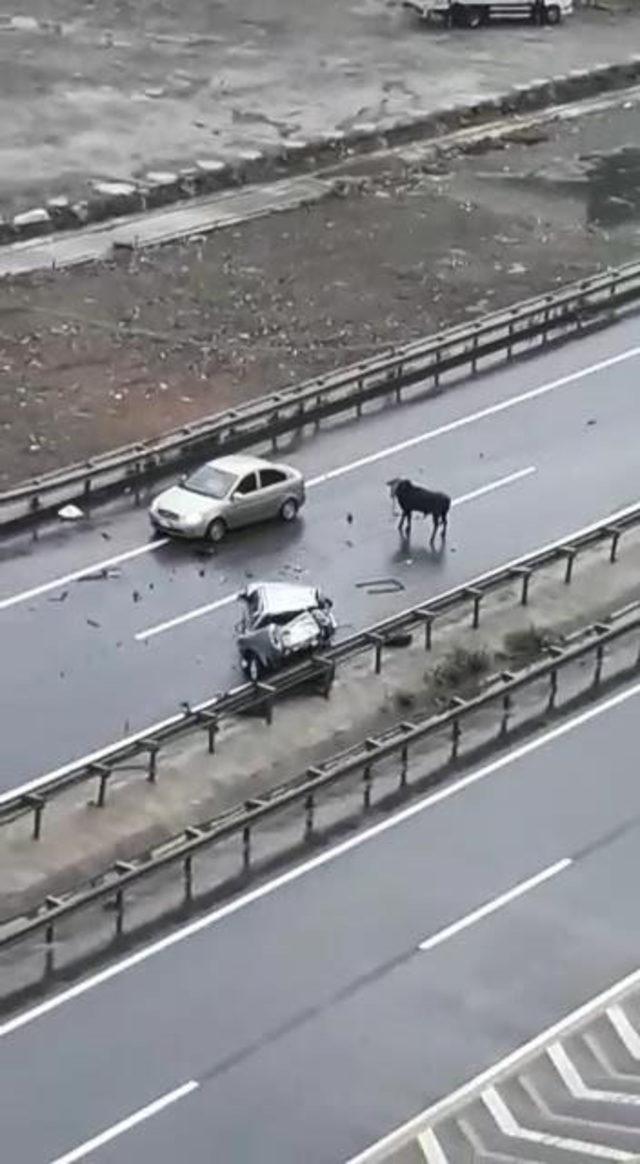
x: 434, y: 530
x: 444, y: 521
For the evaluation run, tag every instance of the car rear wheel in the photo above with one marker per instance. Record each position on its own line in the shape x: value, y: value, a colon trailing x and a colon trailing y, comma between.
x: 551, y: 14
x: 253, y: 668
x: 289, y: 509
x: 216, y: 530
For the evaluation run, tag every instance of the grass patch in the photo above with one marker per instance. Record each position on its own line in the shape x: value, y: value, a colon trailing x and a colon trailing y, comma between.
x: 523, y: 646
x: 460, y: 672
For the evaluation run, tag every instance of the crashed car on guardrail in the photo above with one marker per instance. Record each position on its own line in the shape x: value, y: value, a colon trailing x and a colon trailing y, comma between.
x: 280, y: 621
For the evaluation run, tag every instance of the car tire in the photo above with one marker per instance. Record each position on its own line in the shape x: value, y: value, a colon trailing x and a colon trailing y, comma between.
x: 216, y: 531
x: 253, y: 668
x: 458, y: 16
x: 289, y: 509
x: 474, y: 17
x: 551, y: 14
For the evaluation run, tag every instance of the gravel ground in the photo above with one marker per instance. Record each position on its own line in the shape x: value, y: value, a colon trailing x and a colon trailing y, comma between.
x: 102, y: 355
x: 111, y: 88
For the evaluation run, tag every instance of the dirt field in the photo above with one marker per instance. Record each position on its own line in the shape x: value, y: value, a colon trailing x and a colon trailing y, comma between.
x: 112, y: 88
x: 103, y: 355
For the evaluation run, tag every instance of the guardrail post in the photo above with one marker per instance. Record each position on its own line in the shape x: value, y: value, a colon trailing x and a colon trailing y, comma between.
x: 366, y: 786
x: 359, y: 401
x: 476, y: 595
x: 428, y: 618
x: 474, y: 353
x: 49, y: 958
x: 616, y: 533
x: 597, y: 674
x: 37, y: 803
x: 404, y: 765
x: 152, y: 747
x: 456, y: 732
x: 103, y: 773
x: 309, y: 812
x: 569, y: 553
x: 523, y: 572
x: 377, y: 642
x: 188, y: 878
x: 246, y: 847
x: 397, y: 375
x: 328, y: 668
x: 269, y: 693
x: 210, y: 718
x: 553, y: 689
x: 510, y: 342
x: 507, y: 704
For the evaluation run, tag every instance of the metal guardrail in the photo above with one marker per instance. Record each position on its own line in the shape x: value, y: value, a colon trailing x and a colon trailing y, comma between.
x: 504, y: 335
x: 304, y: 794
x: 318, y: 671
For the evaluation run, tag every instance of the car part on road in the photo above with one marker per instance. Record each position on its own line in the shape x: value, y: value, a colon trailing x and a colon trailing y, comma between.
x: 505, y: 335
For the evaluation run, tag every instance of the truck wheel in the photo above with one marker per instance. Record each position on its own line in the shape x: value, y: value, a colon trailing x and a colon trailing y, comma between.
x: 458, y: 16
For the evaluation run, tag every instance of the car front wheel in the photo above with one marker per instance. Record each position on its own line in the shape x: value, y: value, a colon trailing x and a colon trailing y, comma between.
x: 253, y: 668
x: 216, y: 531
x: 289, y: 509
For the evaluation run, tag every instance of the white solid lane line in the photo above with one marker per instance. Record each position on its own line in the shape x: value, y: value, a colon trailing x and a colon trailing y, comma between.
x: 473, y: 417
x: 299, y: 871
x: 493, y: 485
x: 138, y: 1117
x: 95, y: 568
x: 341, y: 470
x: 492, y: 906
x: 144, y: 635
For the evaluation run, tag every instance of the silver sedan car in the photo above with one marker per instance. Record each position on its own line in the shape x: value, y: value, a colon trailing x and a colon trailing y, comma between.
x: 228, y: 493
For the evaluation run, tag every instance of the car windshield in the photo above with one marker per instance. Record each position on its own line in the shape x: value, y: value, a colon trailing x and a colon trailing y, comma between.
x: 210, y: 482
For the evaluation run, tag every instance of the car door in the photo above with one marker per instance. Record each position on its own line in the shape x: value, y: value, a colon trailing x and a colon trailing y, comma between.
x: 273, y: 489
x: 245, y: 501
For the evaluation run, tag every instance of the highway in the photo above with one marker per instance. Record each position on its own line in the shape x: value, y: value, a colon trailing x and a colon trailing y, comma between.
x: 305, y: 1020
x: 529, y: 453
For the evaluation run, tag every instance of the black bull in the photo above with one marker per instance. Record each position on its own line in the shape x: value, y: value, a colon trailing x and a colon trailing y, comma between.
x: 414, y: 499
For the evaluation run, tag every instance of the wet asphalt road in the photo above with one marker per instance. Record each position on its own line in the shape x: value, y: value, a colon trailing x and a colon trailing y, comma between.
x: 75, y: 677
x: 307, y: 1020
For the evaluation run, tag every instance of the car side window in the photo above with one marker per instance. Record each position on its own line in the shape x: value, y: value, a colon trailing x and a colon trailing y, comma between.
x: 249, y: 484
x: 271, y: 477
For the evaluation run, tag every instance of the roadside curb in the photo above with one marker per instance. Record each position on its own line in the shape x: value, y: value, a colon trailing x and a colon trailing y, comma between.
x: 109, y: 199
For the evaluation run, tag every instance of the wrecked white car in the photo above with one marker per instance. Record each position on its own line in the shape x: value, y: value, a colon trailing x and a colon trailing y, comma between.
x: 280, y: 621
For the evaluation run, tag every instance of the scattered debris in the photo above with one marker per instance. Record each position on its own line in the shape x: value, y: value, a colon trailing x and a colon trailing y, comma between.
x: 92, y: 622
x: 100, y: 575
x: 59, y: 597
x: 381, y: 586
x: 70, y: 513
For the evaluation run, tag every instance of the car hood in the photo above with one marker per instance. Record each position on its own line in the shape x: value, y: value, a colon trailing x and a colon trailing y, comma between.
x: 185, y: 503
x: 282, y: 598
